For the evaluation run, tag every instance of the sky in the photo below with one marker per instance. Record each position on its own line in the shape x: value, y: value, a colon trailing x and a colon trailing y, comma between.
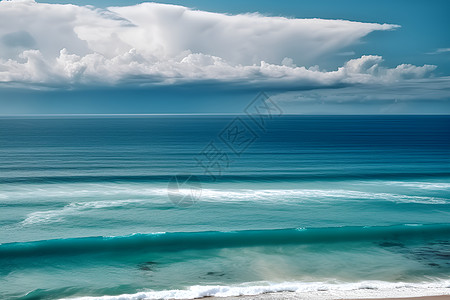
x: 208, y: 56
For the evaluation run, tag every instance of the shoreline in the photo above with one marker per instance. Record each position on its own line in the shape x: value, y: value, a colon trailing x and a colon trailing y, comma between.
x: 315, y: 296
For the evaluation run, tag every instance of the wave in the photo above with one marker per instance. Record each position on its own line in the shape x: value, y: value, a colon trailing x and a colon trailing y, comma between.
x: 177, y: 241
x: 224, y: 178
x: 139, y: 194
x: 74, y: 190
x: 305, y: 290
x: 208, y: 194
x: 156, y: 196
x: 57, y: 215
x: 302, y: 195
x: 421, y: 185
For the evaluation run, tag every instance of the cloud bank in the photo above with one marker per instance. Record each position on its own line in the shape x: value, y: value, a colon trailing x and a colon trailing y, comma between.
x: 157, y: 44
x: 416, y: 89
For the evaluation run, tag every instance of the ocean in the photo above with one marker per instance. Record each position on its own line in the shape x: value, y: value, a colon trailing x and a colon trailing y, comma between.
x: 165, y: 206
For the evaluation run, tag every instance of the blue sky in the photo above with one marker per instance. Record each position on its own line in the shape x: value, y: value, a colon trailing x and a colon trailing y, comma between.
x: 394, y: 57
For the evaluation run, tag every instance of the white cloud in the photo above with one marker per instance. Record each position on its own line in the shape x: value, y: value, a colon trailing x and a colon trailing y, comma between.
x: 440, y: 51
x: 244, y: 39
x: 50, y: 44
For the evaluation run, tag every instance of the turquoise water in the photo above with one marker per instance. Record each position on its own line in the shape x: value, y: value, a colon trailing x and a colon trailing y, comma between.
x: 311, y: 203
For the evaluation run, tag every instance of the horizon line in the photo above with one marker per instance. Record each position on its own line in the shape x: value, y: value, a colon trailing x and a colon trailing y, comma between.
x: 218, y: 114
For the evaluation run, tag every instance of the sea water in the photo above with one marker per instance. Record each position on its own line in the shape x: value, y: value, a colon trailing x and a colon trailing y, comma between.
x: 181, y: 207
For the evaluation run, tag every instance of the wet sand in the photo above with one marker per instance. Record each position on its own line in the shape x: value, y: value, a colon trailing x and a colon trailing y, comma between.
x: 293, y: 295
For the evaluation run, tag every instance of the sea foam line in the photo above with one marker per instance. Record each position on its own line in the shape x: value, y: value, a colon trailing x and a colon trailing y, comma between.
x: 286, y: 195
x: 215, y: 195
x: 159, y: 192
x: 57, y: 215
x: 305, y: 290
x: 419, y: 185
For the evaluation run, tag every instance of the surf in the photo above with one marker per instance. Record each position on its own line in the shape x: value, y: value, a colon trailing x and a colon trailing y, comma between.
x: 178, y: 241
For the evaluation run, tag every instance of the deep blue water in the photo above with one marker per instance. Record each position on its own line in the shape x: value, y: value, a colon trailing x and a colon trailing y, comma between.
x: 89, y: 206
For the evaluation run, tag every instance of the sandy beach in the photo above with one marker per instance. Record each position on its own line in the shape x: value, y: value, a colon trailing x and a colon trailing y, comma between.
x: 293, y: 295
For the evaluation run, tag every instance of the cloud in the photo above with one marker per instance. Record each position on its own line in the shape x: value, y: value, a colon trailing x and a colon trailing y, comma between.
x: 414, y: 89
x: 417, y: 96
x: 243, y: 39
x: 18, y: 39
x: 157, y: 44
x: 439, y: 51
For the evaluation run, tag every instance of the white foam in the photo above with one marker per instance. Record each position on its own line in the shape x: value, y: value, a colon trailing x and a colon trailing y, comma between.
x: 303, y: 290
x: 417, y: 184
x: 304, y: 195
x: 80, y: 190
x: 120, y: 191
x: 57, y: 215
